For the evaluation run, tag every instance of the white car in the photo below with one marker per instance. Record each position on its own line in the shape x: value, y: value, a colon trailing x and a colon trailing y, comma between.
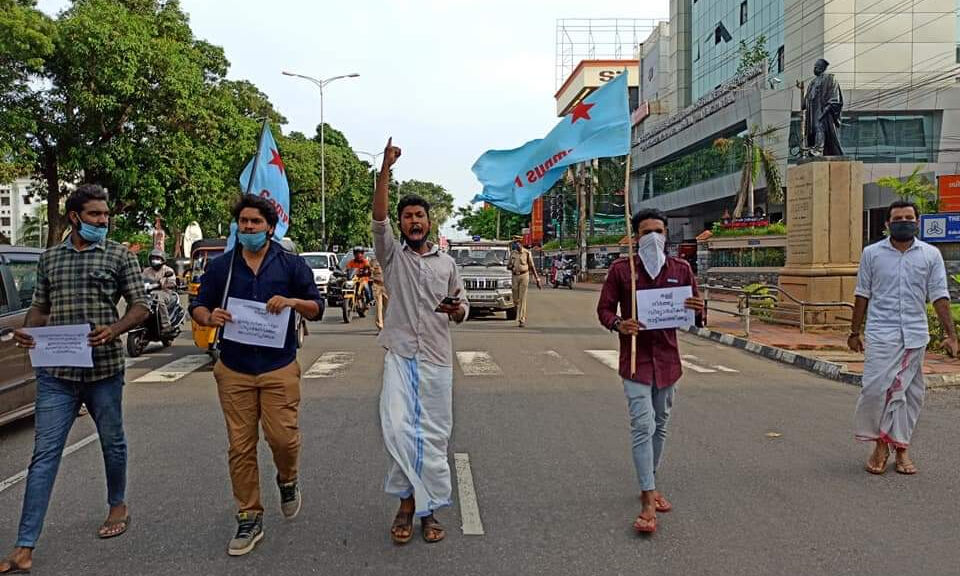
x: 322, y: 264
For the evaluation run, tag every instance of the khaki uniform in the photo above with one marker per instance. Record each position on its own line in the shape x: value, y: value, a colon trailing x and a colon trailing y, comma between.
x: 521, y: 264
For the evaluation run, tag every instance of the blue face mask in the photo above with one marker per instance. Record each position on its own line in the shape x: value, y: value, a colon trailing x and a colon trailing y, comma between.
x: 252, y: 242
x: 91, y: 233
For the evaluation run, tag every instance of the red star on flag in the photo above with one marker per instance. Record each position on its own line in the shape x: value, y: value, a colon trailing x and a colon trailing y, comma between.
x: 581, y: 110
x: 276, y: 160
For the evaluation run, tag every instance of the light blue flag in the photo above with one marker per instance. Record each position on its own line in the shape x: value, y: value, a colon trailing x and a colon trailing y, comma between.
x: 597, y: 127
x: 265, y: 175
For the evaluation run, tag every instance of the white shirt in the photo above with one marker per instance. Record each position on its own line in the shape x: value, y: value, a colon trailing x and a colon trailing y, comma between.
x: 416, y: 285
x: 898, y: 286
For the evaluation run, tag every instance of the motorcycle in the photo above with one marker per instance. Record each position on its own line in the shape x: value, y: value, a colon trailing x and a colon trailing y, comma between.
x: 348, y: 292
x: 149, y: 331
x: 564, y: 274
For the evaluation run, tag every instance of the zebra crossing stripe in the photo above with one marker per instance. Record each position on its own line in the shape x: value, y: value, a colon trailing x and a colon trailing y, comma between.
x: 554, y: 364
x: 696, y: 368
x: 475, y: 363
x: 130, y: 362
x: 175, y: 370
x: 330, y: 364
x: 609, y: 358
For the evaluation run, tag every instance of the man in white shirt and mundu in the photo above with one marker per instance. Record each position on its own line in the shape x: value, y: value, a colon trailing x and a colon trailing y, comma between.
x: 897, y: 277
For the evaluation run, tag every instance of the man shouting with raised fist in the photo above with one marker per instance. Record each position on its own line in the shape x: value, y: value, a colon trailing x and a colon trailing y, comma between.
x: 416, y: 409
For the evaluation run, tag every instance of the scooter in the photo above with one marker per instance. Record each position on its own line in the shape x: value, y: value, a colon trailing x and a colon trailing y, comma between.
x: 565, y: 274
x: 149, y: 331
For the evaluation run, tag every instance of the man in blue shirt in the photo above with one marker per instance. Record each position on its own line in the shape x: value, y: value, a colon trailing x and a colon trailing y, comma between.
x: 257, y: 383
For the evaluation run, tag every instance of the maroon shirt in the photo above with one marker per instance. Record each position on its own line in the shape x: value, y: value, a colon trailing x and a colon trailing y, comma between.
x: 658, y: 358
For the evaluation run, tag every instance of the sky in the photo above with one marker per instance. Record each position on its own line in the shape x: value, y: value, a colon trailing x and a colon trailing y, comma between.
x: 447, y: 79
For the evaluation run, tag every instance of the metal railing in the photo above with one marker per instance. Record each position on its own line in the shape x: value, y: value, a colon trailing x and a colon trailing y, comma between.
x: 772, y: 313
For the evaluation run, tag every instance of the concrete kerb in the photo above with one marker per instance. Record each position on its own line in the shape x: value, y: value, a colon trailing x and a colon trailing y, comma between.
x: 823, y: 368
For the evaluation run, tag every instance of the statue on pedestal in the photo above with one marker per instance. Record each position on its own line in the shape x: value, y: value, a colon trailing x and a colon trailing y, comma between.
x: 822, y: 104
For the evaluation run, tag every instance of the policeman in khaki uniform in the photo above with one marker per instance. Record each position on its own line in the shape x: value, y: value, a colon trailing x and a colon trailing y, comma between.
x: 521, y: 264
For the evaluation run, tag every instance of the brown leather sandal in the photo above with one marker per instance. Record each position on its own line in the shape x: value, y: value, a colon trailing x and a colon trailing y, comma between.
x: 428, y: 525
x: 404, y: 520
x: 13, y: 567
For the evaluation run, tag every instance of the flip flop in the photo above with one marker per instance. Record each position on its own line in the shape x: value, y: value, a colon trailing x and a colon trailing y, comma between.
x: 877, y: 470
x: 108, y: 524
x: 662, y: 504
x: 14, y: 568
x: 649, y: 525
x: 403, y: 520
x: 906, y: 468
x: 429, y: 523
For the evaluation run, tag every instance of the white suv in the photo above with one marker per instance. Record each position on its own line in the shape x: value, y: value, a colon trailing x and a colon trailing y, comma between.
x: 322, y: 264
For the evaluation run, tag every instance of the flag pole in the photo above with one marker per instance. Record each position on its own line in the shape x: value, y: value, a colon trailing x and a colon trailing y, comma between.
x: 627, y: 214
x: 233, y: 255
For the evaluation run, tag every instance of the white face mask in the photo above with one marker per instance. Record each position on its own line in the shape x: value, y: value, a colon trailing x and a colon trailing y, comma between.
x: 650, y: 248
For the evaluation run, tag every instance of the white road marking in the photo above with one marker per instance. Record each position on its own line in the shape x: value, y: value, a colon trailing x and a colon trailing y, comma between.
x: 722, y: 368
x: 553, y: 364
x: 175, y: 370
x: 610, y: 358
x: 329, y: 364
x: 696, y: 368
x: 478, y: 364
x: 130, y: 362
x: 471, y: 524
x: 19, y: 476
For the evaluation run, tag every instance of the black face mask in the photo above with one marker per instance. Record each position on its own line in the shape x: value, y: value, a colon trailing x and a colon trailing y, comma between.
x: 903, y: 230
x: 156, y: 265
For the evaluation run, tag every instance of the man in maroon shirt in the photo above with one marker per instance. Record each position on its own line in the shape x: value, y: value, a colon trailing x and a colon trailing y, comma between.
x: 650, y: 388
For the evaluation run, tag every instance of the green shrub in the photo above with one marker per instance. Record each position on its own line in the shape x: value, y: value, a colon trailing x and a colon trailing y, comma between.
x: 774, y: 229
x: 937, y: 333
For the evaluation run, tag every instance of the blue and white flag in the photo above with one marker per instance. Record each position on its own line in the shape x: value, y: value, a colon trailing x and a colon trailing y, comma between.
x: 265, y: 175
x: 597, y: 127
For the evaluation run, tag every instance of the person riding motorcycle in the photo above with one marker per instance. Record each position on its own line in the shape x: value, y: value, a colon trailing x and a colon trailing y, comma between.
x: 158, y: 272
x: 362, y: 266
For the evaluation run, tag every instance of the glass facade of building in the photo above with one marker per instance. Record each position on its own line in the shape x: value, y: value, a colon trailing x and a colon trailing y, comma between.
x: 884, y: 137
x: 699, y: 164
x: 718, y: 28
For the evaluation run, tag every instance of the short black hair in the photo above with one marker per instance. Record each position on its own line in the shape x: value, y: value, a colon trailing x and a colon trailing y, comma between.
x: 83, y: 194
x: 902, y: 204
x: 413, y: 200
x: 266, y: 208
x: 647, y: 214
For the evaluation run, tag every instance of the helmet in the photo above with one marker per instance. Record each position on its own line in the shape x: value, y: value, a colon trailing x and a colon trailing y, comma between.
x: 359, y: 249
x: 156, y: 259
x: 157, y: 253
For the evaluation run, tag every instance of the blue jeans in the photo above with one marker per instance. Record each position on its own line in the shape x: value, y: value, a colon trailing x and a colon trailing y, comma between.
x: 58, y: 402
x: 649, y: 414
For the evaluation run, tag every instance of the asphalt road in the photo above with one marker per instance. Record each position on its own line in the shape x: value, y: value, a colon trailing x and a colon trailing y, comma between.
x: 543, y: 421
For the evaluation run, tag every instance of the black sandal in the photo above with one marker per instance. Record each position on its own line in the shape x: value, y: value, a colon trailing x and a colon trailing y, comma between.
x: 429, y: 523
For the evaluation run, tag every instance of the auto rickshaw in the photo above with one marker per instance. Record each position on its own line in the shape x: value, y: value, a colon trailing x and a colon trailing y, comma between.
x: 201, y: 254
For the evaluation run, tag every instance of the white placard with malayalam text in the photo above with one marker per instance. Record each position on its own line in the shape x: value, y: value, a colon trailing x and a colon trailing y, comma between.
x: 61, y: 346
x: 659, y: 308
x: 253, y: 325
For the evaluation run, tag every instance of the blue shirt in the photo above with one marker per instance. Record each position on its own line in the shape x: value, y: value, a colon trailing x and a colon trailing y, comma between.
x: 281, y: 273
x: 898, y: 286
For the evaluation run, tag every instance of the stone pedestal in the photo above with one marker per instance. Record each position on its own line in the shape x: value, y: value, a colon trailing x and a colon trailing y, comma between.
x: 824, y: 233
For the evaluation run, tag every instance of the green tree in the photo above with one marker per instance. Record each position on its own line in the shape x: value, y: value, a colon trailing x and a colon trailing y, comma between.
x: 128, y: 98
x: 482, y: 221
x: 441, y: 201
x: 756, y: 158
x: 916, y: 188
x: 753, y: 56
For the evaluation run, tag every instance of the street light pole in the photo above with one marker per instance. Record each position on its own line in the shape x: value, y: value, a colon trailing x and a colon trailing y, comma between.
x: 373, y: 164
x: 321, y: 83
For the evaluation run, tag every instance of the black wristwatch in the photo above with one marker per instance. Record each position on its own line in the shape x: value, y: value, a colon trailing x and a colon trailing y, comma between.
x: 616, y: 325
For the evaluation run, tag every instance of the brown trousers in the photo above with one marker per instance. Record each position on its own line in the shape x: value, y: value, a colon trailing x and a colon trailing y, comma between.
x: 272, y: 399
x: 520, y: 284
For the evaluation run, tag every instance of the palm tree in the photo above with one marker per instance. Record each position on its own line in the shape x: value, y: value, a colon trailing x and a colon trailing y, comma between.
x: 30, y: 232
x: 756, y: 159
x: 916, y: 188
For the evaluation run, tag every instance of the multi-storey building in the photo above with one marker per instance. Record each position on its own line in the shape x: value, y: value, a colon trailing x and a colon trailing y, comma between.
x: 896, y: 61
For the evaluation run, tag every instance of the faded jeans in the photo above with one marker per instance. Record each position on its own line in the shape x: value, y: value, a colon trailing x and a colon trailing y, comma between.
x: 649, y: 414
x: 58, y: 402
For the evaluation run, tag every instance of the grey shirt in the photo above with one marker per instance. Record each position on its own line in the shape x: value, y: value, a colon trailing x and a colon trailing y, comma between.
x: 416, y: 285
x: 898, y: 286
